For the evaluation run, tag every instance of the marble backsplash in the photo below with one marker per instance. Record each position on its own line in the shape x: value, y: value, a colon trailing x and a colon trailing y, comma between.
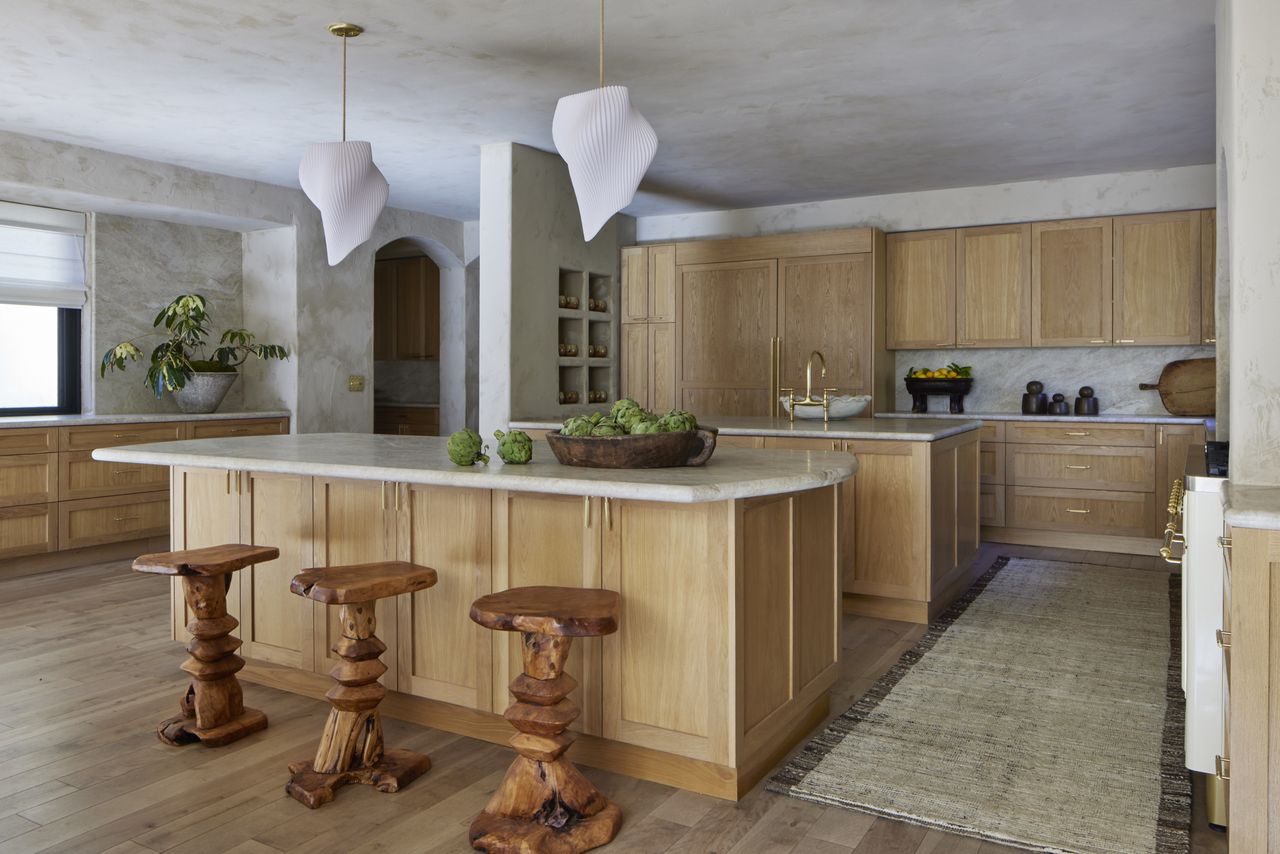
x: 415, y: 381
x: 1001, y: 376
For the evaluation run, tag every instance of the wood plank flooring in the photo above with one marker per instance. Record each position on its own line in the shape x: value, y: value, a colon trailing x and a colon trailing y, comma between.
x: 87, y: 671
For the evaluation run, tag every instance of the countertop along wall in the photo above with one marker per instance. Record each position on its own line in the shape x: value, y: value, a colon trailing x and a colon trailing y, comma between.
x: 140, y: 265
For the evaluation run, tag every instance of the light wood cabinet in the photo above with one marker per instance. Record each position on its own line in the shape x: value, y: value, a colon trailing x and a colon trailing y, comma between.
x: 662, y: 284
x: 662, y: 366
x: 113, y: 435
x: 221, y: 429
x: 406, y: 420
x: 635, y: 363
x: 27, y: 530
x: 443, y: 654
x: 1080, y: 431
x: 1082, y: 467
x: 728, y: 317
x: 114, y: 519
x: 635, y: 284
x: 825, y: 304
x: 993, y: 286
x: 81, y: 476
x: 1156, y: 278
x: 1071, y: 283
x: 648, y: 325
x: 406, y: 309
x: 1173, y: 442
x: 1081, y: 511
x: 1208, y: 276
x: 991, y: 505
x: 920, y: 312
x: 217, y: 494
x: 28, y: 479
x: 23, y: 440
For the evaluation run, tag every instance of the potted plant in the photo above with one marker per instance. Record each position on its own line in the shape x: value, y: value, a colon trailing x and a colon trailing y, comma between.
x: 197, y: 384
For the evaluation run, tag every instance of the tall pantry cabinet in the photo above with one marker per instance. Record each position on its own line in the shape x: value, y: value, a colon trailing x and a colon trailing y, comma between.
x: 721, y: 327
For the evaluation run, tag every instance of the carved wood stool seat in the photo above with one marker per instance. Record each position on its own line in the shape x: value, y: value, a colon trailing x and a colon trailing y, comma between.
x: 351, y: 749
x: 213, y: 709
x: 544, y: 803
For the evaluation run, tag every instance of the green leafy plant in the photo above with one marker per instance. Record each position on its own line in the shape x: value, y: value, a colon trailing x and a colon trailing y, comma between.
x: 185, y: 323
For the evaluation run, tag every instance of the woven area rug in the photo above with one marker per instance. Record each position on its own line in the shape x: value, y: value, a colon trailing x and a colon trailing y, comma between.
x: 1042, y: 710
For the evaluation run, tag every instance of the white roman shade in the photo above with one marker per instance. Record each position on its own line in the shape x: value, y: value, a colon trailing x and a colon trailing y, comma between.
x: 42, y: 256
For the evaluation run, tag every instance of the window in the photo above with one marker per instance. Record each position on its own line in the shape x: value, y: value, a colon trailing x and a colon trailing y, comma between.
x: 42, y: 291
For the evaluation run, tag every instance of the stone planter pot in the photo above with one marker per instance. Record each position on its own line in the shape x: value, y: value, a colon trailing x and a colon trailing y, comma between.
x: 204, y: 391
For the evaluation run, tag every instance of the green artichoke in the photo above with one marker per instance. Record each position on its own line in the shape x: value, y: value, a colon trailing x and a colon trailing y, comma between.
x: 596, y: 417
x: 466, y: 448
x: 623, y: 407
x: 515, y: 447
x: 579, y: 425
x: 643, y: 426
x: 609, y: 428
x: 678, y: 421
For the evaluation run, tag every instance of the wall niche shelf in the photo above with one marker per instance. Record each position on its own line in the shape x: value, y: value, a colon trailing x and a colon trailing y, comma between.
x: 586, y: 328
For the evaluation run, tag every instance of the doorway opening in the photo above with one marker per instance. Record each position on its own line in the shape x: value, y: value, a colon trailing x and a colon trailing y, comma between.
x: 406, y: 340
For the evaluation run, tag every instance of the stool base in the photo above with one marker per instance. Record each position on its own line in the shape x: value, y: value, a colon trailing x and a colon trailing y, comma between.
x: 181, y: 729
x: 497, y: 835
x: 547, y: 807
x: 396, y: 768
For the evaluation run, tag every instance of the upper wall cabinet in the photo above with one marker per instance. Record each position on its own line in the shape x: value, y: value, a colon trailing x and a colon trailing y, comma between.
x: 1157, y: 278
x: 1071, y: 283
x: 993, y: 286
x: 1208, y: 276
x: 649, y: 284
x: 920, y: 310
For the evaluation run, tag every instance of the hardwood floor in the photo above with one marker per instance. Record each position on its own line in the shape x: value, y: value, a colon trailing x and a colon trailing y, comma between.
x: 87, y: 671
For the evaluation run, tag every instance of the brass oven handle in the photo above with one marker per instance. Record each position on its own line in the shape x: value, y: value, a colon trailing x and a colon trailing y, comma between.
x: 1223, y: 638
x: 1166, y: 551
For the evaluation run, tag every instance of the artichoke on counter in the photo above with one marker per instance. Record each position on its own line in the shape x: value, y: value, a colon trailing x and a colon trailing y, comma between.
x: 608, y: 427
x: 644, y: 426
x: 466, y: 448
x: 578, y: 425
x: 515, y: 447
x: 629, y: 418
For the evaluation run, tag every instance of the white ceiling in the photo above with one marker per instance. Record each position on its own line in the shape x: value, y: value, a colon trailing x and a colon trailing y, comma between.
x: 755, y: 101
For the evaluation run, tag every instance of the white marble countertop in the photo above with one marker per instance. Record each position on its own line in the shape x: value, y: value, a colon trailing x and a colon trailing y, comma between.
x: 1106, y: 417
x: 730, y: 473
x: 1252, y: 506
x: 140, y: 418
x: 850, y: 428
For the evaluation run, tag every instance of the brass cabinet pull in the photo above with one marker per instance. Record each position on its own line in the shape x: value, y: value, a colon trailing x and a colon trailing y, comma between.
x: 125, y: 435
x: 124, y: 518
x: 1070, y: 510
x: 608, y: 513
x: 1078, y: 433
x: 228, y: 481
x: 835, y: 444
x: 384, y: 495
x: 1223, y: 638
x: 1099, y: 341
x: 586, y: 511
x: 1124, y: 340
x: 1081, y: 468
x: 1211, y: 340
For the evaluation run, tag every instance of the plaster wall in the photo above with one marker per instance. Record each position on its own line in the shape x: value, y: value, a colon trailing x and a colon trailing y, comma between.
x: 140, y: 265
x: 333, y: 305
x: 270, y: 280
x: 1252, y: 166
x: 1181, y: 188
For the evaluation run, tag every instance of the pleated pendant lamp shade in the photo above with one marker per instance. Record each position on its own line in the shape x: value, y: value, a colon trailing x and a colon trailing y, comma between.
x: 342, y: 181
x: 608, y: 147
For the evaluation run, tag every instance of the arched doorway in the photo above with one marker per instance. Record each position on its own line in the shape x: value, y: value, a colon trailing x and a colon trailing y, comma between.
x: 406, y: 340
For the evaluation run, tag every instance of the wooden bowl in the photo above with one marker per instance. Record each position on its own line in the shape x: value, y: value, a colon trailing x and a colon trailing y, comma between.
x: 646, y: 451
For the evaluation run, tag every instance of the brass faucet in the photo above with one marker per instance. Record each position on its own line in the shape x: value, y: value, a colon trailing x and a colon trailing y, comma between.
x: 809, y: 399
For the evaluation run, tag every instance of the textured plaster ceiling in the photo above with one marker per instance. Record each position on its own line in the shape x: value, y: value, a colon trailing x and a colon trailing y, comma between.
x: 755, y: 101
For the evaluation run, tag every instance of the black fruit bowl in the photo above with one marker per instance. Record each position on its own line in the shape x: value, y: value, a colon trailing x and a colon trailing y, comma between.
x: 956, y: 389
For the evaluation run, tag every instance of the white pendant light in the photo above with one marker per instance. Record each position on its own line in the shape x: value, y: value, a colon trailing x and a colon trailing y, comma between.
x: 341, y: 179
x: 607, y: 145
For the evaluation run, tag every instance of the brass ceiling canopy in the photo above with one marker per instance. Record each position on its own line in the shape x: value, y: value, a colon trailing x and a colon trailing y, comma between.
x: 344, y: 30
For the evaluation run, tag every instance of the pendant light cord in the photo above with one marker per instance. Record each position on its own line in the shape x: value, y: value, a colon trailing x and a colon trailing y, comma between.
x: 601, y: 44
x: 344, y: 88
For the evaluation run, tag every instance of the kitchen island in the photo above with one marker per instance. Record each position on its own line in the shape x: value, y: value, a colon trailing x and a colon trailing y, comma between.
x: 729, y: 632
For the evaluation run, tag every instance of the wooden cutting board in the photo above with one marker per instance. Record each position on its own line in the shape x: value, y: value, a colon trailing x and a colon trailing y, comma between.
x: 1188, y: 387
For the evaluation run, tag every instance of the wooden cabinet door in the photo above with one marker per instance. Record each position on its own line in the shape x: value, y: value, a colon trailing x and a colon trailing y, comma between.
x: 848, y: 497
x: 238, y: 427
x: 635, y: 363
x: 728, y: 319
x: 1208, y: 276
x: 891, y: 535
x: 543, y: 539
x: 443, y: 654
x: 825, y: 304
x: 353, y: 522
x: 920, y: 310
x: 276, y: 624
x: 81, y: 476
x: 1173, y: 443
x: 417, y: 313
x: 1071, y: 283
x: 662, y: 366
x: 216, y: 494
x: 662, y: 284
x: 993, y: 286
x: 1157, y: 278
x: 28, y: 479
x: 635, y: 284
x: 28, y: 529
x: 384, y: 311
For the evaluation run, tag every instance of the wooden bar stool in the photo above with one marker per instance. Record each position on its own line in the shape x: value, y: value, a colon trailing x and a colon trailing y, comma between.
x: 544, y: 804
x: 213, y: 709
x: 351, y: 749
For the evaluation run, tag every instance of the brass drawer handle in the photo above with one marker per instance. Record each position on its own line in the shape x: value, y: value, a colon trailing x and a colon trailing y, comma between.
x: 1224, y: 638
x: 1124, y: 340
x: 1082, y: 512
x: 1099, y: 341
x: 124, y: 518
x: 1080, y: 468
x: 1222, y: 767
x: 126, y: 436
x: 1083, y: 433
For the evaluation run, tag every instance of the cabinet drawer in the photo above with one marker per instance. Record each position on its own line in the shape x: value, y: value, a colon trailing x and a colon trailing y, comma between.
x: 1082, y: 467
x: 81, y: 476
x: 28, y: 479
x: 247, y: 427
x: 992, y: 431
x: 991, y: 462
x: 1081, y: 432
x: 110, y: 435
x: 991, y: 505
x: 28, y: 530
x: 22, y: 440
x: 1083, y: 511
x: 94, y: 521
